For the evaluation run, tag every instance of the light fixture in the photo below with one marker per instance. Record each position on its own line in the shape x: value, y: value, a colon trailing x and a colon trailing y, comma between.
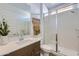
x: 65, y: 9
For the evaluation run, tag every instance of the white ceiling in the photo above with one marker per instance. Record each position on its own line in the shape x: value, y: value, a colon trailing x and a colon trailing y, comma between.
x: 53, y: 5
x: 35, y: 7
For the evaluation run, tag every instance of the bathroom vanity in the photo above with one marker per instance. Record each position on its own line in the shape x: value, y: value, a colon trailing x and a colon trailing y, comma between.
x: 30, y: 50
x: 29, y: 47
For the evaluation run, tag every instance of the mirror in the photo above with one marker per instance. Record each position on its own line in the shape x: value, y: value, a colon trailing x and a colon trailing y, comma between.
x: 17, y: 16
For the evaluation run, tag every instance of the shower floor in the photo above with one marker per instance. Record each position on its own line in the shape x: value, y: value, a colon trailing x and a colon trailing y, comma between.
x: 50, y: 50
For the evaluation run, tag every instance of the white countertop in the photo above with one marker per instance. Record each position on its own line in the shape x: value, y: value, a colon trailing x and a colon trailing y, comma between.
x: 15, y: 45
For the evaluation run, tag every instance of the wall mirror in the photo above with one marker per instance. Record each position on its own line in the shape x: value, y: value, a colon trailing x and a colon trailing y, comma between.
x: 17, y: 16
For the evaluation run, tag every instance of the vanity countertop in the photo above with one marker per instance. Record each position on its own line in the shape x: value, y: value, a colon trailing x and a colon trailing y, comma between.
x: 15, y: 45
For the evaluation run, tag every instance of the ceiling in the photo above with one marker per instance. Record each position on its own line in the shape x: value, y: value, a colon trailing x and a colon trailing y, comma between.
x: 35, y: 7
x: 53, y: 5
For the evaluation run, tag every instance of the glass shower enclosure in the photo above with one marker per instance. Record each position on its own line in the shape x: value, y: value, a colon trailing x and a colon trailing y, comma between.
x: 61, y: 30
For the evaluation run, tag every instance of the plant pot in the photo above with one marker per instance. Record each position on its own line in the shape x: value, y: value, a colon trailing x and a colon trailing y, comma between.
x: 3, y: 40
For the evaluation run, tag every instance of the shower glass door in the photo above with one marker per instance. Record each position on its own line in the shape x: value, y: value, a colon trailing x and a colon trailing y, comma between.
x: 68, y: 31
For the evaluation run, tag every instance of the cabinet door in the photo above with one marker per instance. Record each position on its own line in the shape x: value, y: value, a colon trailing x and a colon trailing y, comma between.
x: 36, y: 49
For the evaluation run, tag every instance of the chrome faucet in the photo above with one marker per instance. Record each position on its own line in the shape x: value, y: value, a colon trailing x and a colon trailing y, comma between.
x: 20, y: 36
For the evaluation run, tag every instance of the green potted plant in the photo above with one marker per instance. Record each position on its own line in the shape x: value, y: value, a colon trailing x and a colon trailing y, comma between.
x: 3, y: 31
